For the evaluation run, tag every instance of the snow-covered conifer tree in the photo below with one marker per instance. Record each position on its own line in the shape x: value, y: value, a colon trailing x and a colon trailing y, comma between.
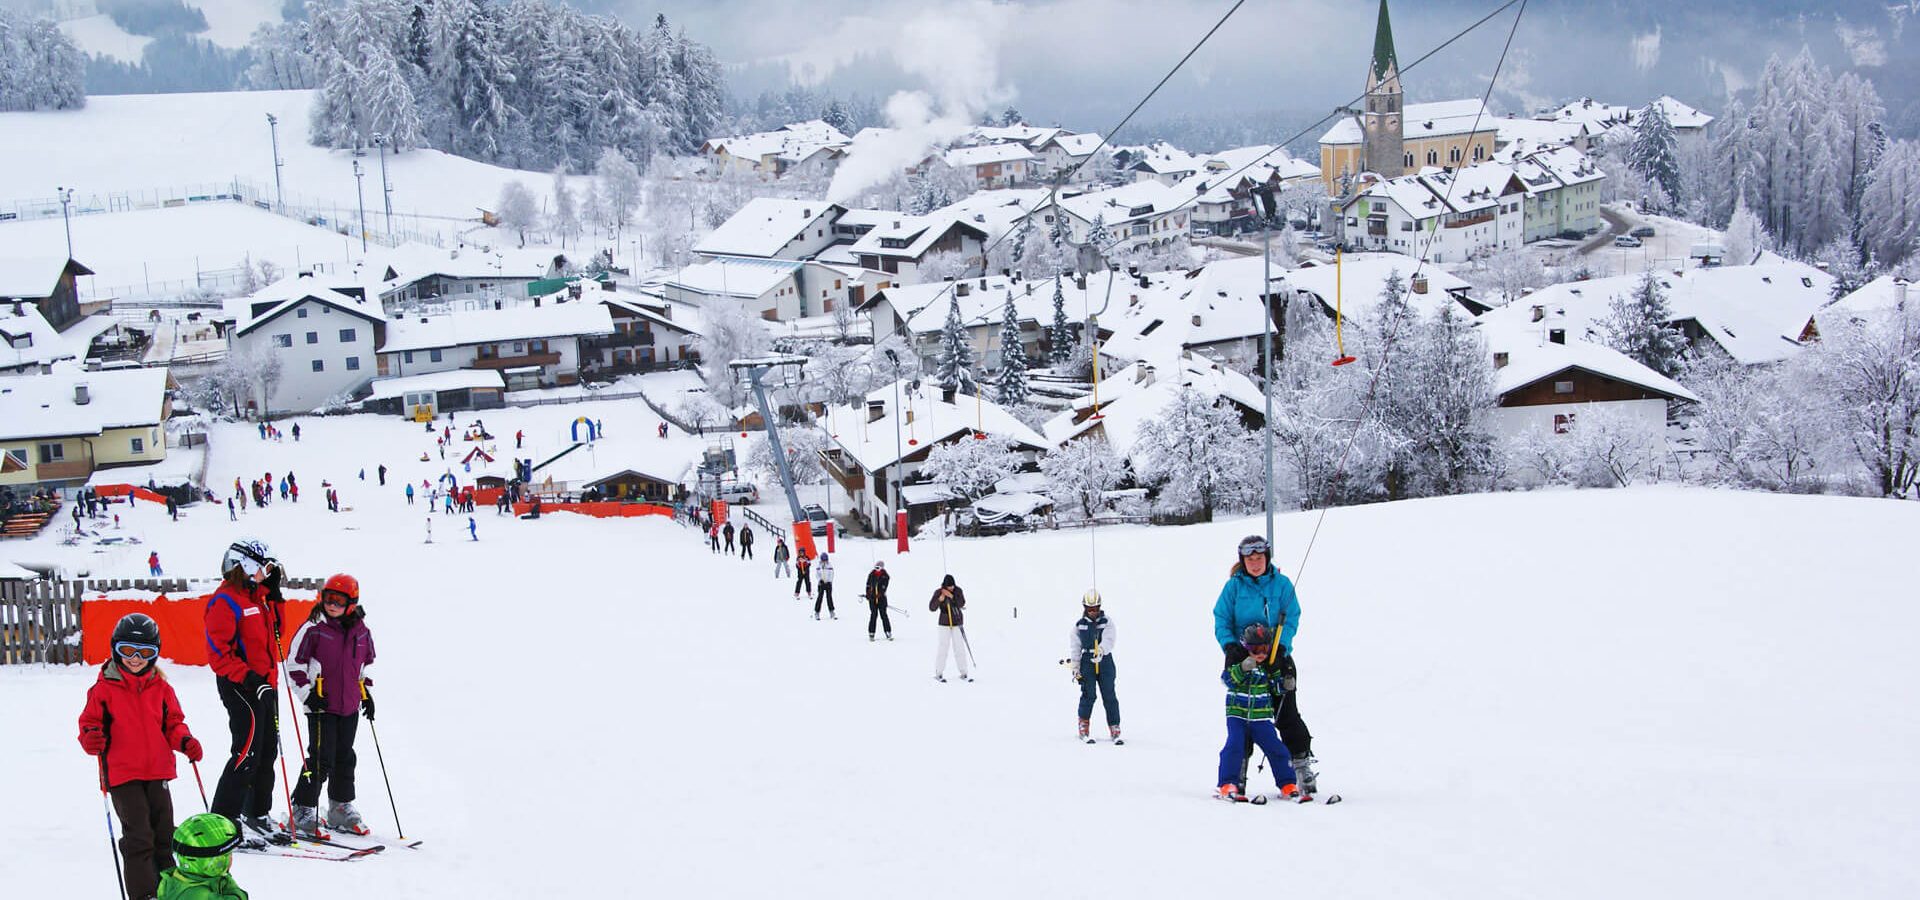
x: 1200, y: 456
x: 1637, y: 325
x: 1890, y: 205
x: 1060, y: 333
x: 971, y: 467
x: 955, y: 367
x: 731, y: 333
x: 1746, y: 236
x: 1655, y: 153
x: 1012, y: 383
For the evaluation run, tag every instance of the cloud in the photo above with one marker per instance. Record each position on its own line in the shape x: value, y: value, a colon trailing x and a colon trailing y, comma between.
x: 1864, y: 45
x: 1646, y: 50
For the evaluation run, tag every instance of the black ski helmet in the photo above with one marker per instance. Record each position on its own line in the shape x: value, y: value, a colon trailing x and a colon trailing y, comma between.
x: 137, y: 628
x: 1256, y: 635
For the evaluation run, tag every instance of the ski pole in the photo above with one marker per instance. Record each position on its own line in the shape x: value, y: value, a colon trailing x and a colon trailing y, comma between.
x: 383, y: 777
x: 204, y: 805
x: 113, y: 843
x: 969, y: 645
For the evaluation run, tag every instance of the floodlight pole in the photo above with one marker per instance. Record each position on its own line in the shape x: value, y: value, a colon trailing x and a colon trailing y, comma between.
x: 66, y: 216
x: 755, y: 369
x: 386, y: 187
x: 358, y: 181
x: 899, y: 461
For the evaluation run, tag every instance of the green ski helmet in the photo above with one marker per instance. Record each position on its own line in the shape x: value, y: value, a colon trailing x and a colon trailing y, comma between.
x: 204, y: 844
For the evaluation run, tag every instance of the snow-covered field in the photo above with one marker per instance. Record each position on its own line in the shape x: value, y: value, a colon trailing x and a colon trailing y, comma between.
x: 212, y: 139
x: 1654, y: 693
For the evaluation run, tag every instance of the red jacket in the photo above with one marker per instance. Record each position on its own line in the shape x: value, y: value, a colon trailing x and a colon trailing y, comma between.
x: 241, y: 629
x: 141, y: 718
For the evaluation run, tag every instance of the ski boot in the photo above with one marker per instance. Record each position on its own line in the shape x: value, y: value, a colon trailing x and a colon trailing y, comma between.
x: 306, y: 824
x: 889, y: 635
x: 816, y: 617
x: 1114, y: 732
x: 343, y: 817
x: 263, y: 829
x: 1230, y: 793
x: 1304, y: 775
x: 1084, y: 737
x: 942, y: 678
x: 869, y: 637
x: 1291, y: 793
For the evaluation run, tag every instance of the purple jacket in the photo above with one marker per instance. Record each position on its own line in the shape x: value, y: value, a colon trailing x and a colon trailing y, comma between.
x: 337, y: 652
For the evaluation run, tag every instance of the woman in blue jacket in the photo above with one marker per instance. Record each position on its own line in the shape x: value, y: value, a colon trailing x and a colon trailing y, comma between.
x: 1256, y: 594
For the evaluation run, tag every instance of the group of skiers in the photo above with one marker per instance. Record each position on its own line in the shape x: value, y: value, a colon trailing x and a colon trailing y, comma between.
x: 133, y: 722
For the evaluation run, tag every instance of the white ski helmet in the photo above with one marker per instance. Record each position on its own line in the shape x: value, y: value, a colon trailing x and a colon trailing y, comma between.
x: 250, y: 556
x: 1090, y: 599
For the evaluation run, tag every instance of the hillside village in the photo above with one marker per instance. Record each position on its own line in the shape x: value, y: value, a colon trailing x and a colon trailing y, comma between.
x: 1001, y: 297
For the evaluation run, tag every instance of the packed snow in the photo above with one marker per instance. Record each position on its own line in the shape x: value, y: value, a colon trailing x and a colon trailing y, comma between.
x: 1657, y: 692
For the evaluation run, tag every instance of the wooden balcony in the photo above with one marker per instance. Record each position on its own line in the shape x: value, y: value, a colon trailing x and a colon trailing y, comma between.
x: 64, y: 469
x: 513, y: 362
x: 843, y: 470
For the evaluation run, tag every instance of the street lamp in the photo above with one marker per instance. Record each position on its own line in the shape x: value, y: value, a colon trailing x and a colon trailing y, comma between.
x: 66, y: 215
x: 358, y: 188
x: 899, y: 462
x: 386, y: 187
x: 279, y: 193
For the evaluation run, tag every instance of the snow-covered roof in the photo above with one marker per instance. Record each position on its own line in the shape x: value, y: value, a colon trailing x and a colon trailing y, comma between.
x: 1355, y: 285
x: 1876, y: 296
x: 1423, y: 120
x: 1137, y: 201
x: 37, y: 341
x: 765, y: 225
x: 860, y: 217
x: 734, y: 276
x: 795, y: 141
x: 1680, y: 115
x: 412, y: 261
x: 872, y: 444
x: 1161, y: 158
x: 924, y: 306
x: 910, y: 237
x: 1532, y: 358
x: 33, y: 277
x: 660, y: 311
x: 1550, y: 168
x: 37, y: 406
x: 488, y: 326
x: 1591, y: 115
x: 987, y: 153
x: 270, y: 302
x: 1075, y: 145
x: 1218, y: 302
x: 453, y: 380
x: 1031, y: 135
x: 1755, y: 313
x: 1535, y: 132
x: 1141, y: 392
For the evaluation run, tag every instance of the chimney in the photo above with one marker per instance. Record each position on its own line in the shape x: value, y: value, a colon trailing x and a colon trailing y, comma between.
x: 896, y: 224
x: 1080, y: 282
x: 1500, y: 360
x: 806, y: 212
x: 1420, y: 284
x: 1133, y: 271
x: 983, y: 282
x: 1196, y: 320
x: 876, y: 409
x: 1144, y: 283
x: 1900, y: 292
x: 962, y: 289
x: 1557, y: 335
x: 1539, y: 312
x: 80, y: 395
x: 1006, y: 273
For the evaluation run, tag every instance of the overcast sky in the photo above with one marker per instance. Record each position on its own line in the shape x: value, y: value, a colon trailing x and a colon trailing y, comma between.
x: 1084, y: 62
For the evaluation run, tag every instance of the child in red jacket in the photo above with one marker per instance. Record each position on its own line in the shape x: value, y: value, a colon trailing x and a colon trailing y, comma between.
x: 133, y: 723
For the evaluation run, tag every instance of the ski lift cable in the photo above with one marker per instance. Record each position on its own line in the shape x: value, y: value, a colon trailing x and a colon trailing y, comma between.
x: 1386, y: 351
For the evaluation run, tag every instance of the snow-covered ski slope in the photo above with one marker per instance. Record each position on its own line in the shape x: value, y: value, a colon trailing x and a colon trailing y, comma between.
x: 143, y: 144
x: 1650, y: 693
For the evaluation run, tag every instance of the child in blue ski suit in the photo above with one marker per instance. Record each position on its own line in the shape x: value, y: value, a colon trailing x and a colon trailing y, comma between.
x: 1250, y: 702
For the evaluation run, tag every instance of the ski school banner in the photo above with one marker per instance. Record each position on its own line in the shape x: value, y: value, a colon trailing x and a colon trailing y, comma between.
x: 182, y: 621
x: 130, y: 492
x: 605, y: 509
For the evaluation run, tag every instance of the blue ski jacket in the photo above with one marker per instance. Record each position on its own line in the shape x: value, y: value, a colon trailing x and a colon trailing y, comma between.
x: 1246, y: 600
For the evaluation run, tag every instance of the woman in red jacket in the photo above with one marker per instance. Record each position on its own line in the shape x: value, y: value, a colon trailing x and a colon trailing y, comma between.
x: 133, y: 722
x: 243, y: 631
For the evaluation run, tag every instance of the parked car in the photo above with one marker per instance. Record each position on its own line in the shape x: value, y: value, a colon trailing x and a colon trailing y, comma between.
x: 1644, y: 231
x: 1573, y: 234
x: 740, y: 492
x: 817, y: 517
x: 1626, y: 240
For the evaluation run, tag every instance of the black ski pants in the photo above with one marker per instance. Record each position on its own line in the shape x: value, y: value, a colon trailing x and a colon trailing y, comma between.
x: 877, y: 612
x: 824, y: 596
x: 1099, y: 677
x: 246, y: 783
x: 746, y: 549
x: 145, y: 809
x: 803, y: 583
x: 330, y: 759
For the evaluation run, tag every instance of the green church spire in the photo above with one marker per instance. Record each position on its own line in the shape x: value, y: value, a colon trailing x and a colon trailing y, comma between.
x: 1383, y: 58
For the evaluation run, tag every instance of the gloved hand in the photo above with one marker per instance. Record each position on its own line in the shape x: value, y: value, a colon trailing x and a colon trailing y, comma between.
x: 1235, y: 652
x: 316, y: 702
x: 93, y: 741
x: 191, y: 748
x: 366, y: 701
x: 254, y: 686
x: 1250, y: 664
x: 1288, y: 675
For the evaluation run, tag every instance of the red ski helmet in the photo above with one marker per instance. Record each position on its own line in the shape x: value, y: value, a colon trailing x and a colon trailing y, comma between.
x: 346, y: 586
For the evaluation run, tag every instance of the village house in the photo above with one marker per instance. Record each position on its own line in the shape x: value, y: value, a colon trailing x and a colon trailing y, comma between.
x: 57, y: 429
x: 772, y: 228
x: 421, y: 397
x: 324, y: 332
x: 1060, y: 158
x: 1216, y: 311
x: 1223, y: 187
x: 1142, y: 392
x: 872, y: 444
x: 415, y: 277
x: 1445, y: 216
x: 530, y: 346
x: 993, y: 166
x: 1562, y: 190
x: 918, y: 312
x: 1143, y: 215
x: 811, y: 147
x: 900, y: 246
x: 1354, y: 286
x: 649, y: 333
x: 51, y: 285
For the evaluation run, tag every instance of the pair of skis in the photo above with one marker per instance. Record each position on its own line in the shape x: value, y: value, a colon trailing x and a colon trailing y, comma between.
x: 1261, y: 800
x: 333, y: 849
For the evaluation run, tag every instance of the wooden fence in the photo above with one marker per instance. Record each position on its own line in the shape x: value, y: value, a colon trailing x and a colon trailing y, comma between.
x: 40, y: 620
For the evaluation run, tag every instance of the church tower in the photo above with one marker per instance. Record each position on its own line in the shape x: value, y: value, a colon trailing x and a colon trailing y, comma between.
x: 1385, y: 141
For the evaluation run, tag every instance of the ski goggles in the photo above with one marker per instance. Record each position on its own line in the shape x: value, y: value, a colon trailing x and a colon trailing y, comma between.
x: 1252, y: 545
x: 144, y: 651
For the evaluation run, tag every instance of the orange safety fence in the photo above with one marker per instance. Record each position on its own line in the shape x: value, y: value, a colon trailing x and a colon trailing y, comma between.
x: 122, y: 490
x: 182, y: 621
x: 606, y: 509
x: 487, y: 496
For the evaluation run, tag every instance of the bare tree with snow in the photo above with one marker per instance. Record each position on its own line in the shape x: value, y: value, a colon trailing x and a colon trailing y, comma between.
x: 1080, y: 473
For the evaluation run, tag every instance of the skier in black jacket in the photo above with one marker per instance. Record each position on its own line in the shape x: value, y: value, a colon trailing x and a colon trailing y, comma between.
x: 877, y: 599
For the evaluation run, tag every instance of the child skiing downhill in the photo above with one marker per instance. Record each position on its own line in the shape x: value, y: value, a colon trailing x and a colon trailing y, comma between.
x: 877, y: 581
x: 1256, y: 593
x: 204, y: 844
x: 1091, y: 652
x: 950, y: 602
x: 1250, y: 692
x: 328, y: 671
x: 133, y: 722
x: 243, y: 627
x: 825, y: 594
x: 803, y: 577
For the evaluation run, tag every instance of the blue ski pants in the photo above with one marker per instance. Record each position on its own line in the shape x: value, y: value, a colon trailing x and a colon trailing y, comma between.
x: 1239, y: 732
x: 1103, y: 680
